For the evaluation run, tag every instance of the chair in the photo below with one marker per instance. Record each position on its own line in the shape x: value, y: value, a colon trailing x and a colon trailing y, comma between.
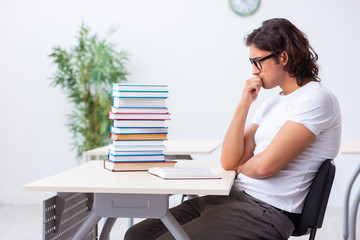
x: 316, y: 201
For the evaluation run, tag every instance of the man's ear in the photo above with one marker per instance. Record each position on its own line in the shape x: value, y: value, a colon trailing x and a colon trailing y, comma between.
x: 284, y: 58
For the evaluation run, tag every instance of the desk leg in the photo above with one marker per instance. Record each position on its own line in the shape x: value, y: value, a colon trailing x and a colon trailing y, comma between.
x: 346, y: 205
x: 86, y: 226
x: 174, y: 227
x: 130, y: 222
x: 353, y: 214
x: 105, y: 232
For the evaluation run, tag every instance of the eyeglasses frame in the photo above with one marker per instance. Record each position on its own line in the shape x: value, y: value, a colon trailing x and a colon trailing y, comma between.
x: 257, y: 62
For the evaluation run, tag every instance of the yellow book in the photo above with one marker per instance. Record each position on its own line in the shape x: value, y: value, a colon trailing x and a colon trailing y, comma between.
x: 160, y: 136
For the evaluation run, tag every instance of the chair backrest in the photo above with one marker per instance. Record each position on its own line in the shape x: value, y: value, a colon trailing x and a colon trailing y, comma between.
x: 316, y: 201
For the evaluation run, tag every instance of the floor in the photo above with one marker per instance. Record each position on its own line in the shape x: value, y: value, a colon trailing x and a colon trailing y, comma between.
x: 24, y: 222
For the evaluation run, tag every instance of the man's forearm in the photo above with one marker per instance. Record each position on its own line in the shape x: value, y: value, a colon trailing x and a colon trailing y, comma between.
x: 238, y: 142
x: 254, y: 169
x: 289, y: 142
x: 233, y: 144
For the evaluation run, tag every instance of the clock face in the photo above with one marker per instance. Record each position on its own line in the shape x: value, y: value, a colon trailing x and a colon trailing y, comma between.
x: 244, y: 7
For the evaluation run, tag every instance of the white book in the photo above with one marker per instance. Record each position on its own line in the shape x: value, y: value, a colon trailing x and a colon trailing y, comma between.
x: 139, y: 87
x: 128, y: 130
x: 139, y: 123
x: 139, y: 102
x: 139, y: 116
x: 138, y: 110
x: 139, y: 94
x: 184, y: 173
x: 140, y: 148
x: 138, y: 143
x: 134, y: 153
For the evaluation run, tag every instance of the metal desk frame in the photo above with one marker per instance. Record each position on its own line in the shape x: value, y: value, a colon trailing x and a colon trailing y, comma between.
x: 351, y: 146
x: 102, y: 193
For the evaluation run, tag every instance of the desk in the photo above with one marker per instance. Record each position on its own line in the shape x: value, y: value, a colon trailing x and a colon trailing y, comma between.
x: 350, y: 146
x: 131, y: 194
x: 174, y: 149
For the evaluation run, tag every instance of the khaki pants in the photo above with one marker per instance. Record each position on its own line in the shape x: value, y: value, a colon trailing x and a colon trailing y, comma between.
x: 237, y: 216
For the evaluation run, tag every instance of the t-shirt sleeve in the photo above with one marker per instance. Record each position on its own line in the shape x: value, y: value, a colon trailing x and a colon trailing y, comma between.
x: 314, y: 111
x: 259, y: 112
x: 257, y: 117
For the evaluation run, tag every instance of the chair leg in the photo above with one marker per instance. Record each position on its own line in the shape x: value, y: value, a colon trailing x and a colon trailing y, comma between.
x: 312, y: 233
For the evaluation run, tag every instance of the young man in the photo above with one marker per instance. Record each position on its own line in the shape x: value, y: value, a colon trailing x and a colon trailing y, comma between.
x: 276, y: 156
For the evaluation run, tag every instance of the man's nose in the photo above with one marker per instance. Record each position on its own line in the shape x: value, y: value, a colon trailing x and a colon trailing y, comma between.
x: 255, y: 70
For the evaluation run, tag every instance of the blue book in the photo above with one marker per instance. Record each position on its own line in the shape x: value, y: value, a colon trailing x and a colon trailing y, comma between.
x: 136, y: 158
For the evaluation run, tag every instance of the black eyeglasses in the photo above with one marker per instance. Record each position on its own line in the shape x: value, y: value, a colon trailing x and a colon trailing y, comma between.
x: 257, y: 62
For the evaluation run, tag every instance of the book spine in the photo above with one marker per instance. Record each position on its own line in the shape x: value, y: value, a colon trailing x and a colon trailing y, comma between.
x: 145, y: 130
x: 114, y: 136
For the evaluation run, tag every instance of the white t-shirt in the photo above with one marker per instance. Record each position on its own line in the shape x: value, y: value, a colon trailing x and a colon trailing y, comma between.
x: 317, y: 109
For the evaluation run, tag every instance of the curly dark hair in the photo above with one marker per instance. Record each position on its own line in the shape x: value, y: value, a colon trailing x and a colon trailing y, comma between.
x: 278, y: 35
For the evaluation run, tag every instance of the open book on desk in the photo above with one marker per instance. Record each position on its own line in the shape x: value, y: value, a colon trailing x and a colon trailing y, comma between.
x: 184, y: 173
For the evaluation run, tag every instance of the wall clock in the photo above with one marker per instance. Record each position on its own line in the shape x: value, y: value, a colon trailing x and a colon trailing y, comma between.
x: 244, y: 7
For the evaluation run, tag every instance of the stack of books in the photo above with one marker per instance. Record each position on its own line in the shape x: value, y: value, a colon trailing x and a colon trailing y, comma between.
x: 139, y: 113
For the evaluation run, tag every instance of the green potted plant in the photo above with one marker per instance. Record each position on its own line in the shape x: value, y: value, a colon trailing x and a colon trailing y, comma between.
x: 85, y: 72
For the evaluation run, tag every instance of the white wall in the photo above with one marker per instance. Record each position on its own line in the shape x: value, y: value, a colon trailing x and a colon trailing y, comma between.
x: 195, y: 46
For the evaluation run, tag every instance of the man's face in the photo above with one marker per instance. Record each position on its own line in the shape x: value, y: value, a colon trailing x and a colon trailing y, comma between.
x: 270, y: 71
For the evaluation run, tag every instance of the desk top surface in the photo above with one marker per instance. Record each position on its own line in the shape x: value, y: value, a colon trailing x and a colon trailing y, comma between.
x: 174, y: 147
x: 92, y: 177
